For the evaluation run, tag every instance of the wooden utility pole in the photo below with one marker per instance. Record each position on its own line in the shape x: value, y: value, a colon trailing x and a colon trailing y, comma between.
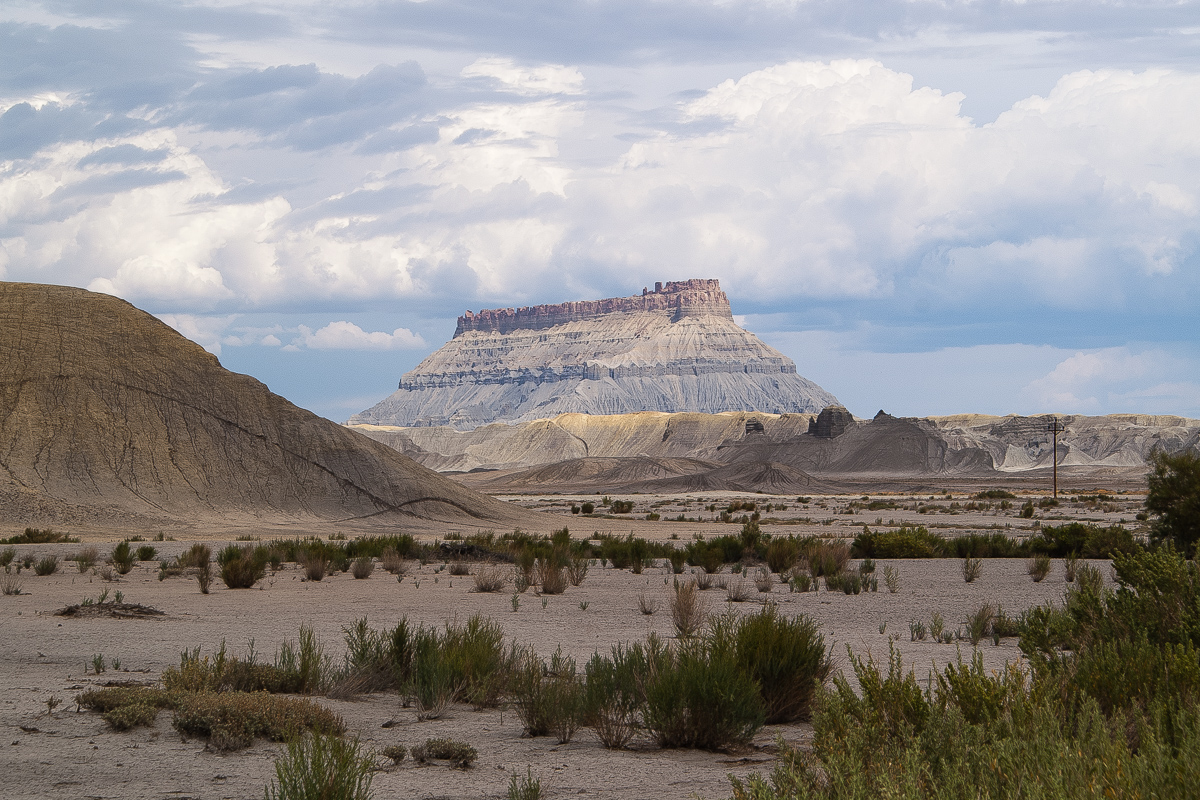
x: 1055, y: 428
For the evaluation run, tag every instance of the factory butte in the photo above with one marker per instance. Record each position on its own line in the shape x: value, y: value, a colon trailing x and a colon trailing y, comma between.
x: 675, y: 348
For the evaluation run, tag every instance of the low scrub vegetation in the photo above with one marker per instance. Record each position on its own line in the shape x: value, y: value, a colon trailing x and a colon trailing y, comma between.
x: 318, y: 766
x: 1088, y: 541
x: 36, y: 536
x: 1104, y: 707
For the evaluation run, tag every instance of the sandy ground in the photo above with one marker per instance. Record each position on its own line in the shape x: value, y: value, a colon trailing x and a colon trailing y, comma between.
x: 70, y: 754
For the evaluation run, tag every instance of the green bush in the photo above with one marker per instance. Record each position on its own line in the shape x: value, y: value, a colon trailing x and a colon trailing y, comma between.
x: 905, y: 542
x: 786, y: 658
x: 134, y: 715
x: 613, y: 694
x: 322, y: 768
x: 123, y: 557
x: 1174, y: 497
x: 242, y: 566
x: 702, y: 697
x: 782, y: 554
x: 548, y: 699
x: 233, y: 720
x: 146, y: 553
x: 459, y: 754
x: 36, y: 536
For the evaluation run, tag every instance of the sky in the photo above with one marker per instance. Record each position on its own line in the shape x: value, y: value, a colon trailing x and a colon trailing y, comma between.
x: 933, y: 207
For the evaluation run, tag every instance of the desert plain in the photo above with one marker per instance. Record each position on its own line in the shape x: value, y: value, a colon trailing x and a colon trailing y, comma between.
x: 65, y: 752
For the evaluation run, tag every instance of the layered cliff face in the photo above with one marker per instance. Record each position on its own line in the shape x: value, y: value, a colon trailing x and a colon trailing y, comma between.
x: 108, y: 416
x: 673, y: 349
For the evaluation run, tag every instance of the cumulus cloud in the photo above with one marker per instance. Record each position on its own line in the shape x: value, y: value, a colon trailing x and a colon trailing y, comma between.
x: 1119, y: 379
x: 348, y: 336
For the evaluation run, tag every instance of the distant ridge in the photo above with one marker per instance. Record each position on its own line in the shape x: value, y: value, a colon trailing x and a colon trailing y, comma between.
x: 108, y: 416
x: 673, y: 349
x: 753, y: 451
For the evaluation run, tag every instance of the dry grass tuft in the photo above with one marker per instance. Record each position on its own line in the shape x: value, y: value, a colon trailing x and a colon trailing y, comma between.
x: 687, y: 609
x: 491, y: 578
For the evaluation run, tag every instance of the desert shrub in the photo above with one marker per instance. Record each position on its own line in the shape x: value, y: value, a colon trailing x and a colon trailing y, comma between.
x: 134, y: 715
x: 1174, y: 498
x: 321, y: 768
x: 905, y: 542
x: 800, y: 581
x: 242, y: 566
x: 551, y: 576
x: 971, y: 568
x: 7, y: 555
x: 786, y: 658
x: 362, y: 567
x: 458, y: 753
x: 36, y: 536
x: 395, y: 752
x: 701, y: 697
x: 392, y: 561
x: 110, y: 698
x: 828, y: 558
x: 577, y: 569
x: 146, y: 553
x: 527, y: 788
x: 979, y: 623
x: 994, y: 494
x: 233, y: 720
x: 621, y: 506
x: 763, y: 581
x: 782, y: 554
x: 612, y: 694
x: 738, y: 591
x: 123, y: 557
x: 548, y: 699
x: 1070, y: 567
x: 10, y: 584
x: 46, y: 565
x: 196, y: 556
x: 588, y: 508
x: 891, y: 579
x: 490, y: 578
x: 648, y: 605
x: 1089, y: 541
x: 1039, y: 567
x: 315, y: 566
x: 688, y: 609
x: 459, y: 567
x: 86, y: 558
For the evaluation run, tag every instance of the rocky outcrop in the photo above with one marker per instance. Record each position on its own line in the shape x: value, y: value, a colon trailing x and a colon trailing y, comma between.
x: 831, y: 422
x: 108, y: 416
x: 673, y: 349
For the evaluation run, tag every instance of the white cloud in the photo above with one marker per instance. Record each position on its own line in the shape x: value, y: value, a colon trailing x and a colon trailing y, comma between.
x: 348, y: 336
x: 208, y: 332
x: 1119, y: 379
x: 543, y: 79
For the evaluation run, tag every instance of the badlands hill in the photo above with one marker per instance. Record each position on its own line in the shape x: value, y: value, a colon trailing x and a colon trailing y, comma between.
x: 787, y: 453
x: 673, y: 349
x: 108, y: 416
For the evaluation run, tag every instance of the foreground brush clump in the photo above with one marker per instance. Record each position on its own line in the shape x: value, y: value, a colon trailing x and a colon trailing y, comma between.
x: 1106, y: 708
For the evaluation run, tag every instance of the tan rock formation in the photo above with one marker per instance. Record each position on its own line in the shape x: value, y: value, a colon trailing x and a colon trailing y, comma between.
x: 674, y: 349
x: 107, y: 415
